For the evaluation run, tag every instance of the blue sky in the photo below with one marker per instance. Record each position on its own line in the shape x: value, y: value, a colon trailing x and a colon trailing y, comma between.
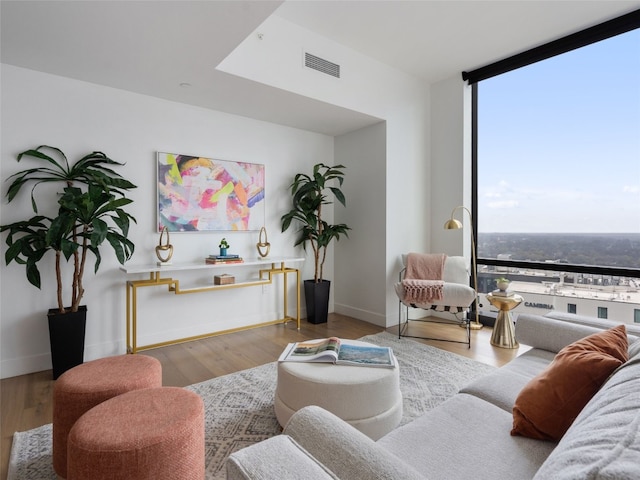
x: 559, y: 143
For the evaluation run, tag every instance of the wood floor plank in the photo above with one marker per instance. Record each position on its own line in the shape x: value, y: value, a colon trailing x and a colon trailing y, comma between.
x: 26, y: 401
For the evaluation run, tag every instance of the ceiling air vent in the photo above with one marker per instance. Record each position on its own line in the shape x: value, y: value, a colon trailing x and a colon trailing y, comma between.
x: 321, y: 65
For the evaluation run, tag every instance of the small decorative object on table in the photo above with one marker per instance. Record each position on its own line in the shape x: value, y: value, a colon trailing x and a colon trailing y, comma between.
x: 166, y: 249
x: 263, y: 245
x: 224, y: 279
x: 502, y: 284
x: 216, y: 259
x: 503, y: 288
x: 224, y: 245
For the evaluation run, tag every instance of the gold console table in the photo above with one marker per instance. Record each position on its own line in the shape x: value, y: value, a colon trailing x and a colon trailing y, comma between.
x: 272, y: 266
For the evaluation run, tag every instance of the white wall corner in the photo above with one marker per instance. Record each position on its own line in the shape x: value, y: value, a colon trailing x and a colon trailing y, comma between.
x: 451, y: 164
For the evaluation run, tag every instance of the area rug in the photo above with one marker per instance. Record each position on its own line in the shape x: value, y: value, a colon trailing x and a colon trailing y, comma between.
x: 239, y: 407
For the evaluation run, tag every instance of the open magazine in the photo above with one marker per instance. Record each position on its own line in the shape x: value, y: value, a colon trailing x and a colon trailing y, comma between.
x: 339, y: 352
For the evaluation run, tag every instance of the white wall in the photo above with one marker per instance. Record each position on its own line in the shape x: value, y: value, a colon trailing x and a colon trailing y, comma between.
x: 78, y: 118
x: 363, y: 153
x: 409, y: 180
x: 451, y: 164
x: 376, y: 89
x: 392, y: 219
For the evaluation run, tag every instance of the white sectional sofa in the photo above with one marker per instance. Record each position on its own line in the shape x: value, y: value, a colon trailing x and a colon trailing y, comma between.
x: 468, y: 436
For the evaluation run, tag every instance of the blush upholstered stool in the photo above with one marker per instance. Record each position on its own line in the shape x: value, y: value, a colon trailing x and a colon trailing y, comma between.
x: 83, y: 387
x: 368, y: 398
x: 151, y: 434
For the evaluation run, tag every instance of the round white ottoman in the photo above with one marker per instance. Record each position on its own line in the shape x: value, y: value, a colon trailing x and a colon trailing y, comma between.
x: 368, y: 398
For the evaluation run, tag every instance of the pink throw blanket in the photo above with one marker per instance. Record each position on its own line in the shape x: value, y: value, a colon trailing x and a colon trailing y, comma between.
x: 423, y: 279
x: 425, y: 266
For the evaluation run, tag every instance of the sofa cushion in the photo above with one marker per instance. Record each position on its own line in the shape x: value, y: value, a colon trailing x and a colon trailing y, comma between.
x: 547, y: 406
x: 604, y: 441
x: 634, y: 349
x: 502, y: 386
x: 277, y: 457
x: 466, y: 438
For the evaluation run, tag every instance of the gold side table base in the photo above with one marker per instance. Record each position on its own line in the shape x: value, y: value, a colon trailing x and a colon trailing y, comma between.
x: 503, y: 334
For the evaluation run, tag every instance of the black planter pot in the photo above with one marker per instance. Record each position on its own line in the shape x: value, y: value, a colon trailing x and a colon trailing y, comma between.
x: 66, y: 334
x: 317, y: 299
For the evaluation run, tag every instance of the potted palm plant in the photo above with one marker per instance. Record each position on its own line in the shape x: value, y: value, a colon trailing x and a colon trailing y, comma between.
x: 309, y: 195
x: 87, y: 219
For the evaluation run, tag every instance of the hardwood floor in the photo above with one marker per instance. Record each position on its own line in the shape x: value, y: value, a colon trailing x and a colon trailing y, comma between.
x: 26, y: 399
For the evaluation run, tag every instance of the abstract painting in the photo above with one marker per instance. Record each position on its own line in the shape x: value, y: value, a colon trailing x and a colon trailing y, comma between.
x: 198, y: 194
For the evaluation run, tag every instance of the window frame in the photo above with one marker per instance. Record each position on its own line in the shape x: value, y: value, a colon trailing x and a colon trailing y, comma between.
x: 588, y: 36
x: 603, y: 31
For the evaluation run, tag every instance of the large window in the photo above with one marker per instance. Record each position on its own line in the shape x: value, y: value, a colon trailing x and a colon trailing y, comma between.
x: 557, y: 179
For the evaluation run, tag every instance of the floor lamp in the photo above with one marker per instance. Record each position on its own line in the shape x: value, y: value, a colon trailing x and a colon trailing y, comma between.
x: 453, y: 224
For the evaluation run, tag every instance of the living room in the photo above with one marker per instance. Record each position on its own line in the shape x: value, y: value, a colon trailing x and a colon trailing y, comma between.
x: 378, y: 137
x: 131, y: 128
x: 395, y: 132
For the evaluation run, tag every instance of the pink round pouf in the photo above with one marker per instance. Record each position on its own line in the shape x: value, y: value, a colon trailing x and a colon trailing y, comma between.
x: 83, y: 387
x: 151, y: 434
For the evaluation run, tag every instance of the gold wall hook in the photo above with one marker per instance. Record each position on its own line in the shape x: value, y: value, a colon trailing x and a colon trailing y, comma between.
x: 263, y: 244
x: 162, y: 249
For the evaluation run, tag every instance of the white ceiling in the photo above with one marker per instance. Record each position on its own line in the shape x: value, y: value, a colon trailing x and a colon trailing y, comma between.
x: 437, y: 39
x: 151, y: 47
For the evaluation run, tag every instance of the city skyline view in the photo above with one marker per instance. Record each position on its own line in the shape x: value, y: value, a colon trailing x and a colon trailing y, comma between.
x: 559, y: 143
x: 599, y: 249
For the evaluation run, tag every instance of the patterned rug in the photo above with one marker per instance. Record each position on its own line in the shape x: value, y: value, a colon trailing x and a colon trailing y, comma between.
x: 239, y: 406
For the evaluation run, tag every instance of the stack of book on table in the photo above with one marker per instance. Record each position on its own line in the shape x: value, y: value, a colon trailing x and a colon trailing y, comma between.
x: 339, y: 352
x: 215, y: 259
x: 502, y: 293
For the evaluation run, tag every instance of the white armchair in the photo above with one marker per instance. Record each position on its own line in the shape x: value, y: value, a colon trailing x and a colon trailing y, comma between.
x: 457, y: 297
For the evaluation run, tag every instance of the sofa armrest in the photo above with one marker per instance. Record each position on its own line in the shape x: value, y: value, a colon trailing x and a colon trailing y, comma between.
x: 549, y: 334
x: 348, y: 453
x: 276, y: 458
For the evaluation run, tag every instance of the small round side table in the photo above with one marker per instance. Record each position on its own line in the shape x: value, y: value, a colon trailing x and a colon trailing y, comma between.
x: 503, y: 335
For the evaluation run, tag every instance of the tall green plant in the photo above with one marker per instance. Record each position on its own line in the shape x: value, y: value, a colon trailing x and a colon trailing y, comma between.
x: 86, y: 217
x: 309, y: 194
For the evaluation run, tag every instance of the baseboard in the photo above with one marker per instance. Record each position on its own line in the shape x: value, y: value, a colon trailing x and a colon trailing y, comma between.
x: 37, y: 363
x: 13, y: 367
x: 361, y: 314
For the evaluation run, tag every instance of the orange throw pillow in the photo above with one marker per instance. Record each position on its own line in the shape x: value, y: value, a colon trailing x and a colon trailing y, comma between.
x: 547, y: 406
